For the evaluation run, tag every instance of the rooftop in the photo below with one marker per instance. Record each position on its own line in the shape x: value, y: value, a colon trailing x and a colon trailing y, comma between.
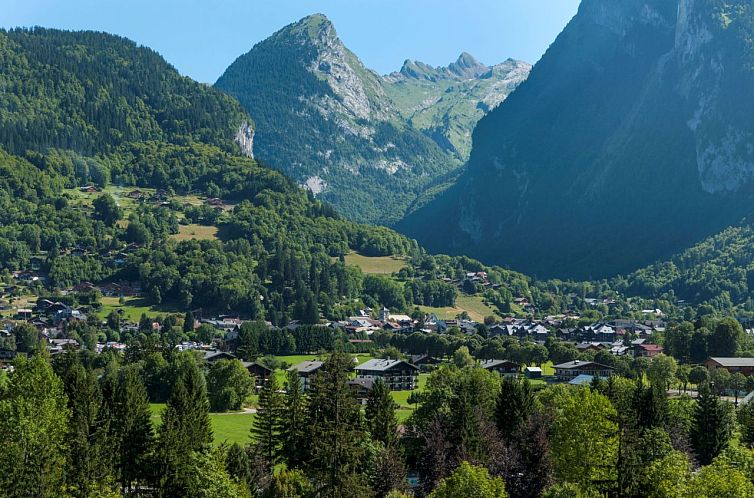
x: 734, y: 362
x: 307, y: 366
x: 382, y: 365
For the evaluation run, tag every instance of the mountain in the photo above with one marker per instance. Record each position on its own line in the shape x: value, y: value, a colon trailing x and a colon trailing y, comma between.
x: 86, y: 111
x: 326, y: 121
x: 447, y: 102
x: 629, y: 142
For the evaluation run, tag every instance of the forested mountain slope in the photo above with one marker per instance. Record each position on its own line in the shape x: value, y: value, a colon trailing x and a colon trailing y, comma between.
x: 628, y: 143
x: 94, y: 109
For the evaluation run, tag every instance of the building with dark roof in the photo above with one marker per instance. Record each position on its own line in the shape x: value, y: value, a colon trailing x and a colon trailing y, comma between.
x: 503, y: 367
x: 572, y: 369
x: 399, y: 375
x: 732, y: 365
x: 306, y: 371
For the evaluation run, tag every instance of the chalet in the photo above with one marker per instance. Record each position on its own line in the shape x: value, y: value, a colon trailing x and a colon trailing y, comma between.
x: 84, y: 287
x: 399, y: 375
x: 732, y: 365
x: 88, y: 189
x: 503, y: 367
x: 361, y: 389
x: 590, y: 346
x: 306, y: 371
x: 58, y: 346
x: 261, y: 373
x: 572, y: 369
x: 647, y: 350
x: 135, y: 194
x: 212, y: 356
x: 533, y: 372
x: 424, y: 361
x: 23, y: 314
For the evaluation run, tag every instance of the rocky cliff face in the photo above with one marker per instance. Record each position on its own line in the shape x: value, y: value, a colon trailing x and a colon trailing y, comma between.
x: 630, y: 140
x: 447, y: 102
x: 245, y: 139
x: 326, y: 120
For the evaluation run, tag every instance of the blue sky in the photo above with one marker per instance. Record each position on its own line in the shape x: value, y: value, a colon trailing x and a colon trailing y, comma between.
x: 202, y: 37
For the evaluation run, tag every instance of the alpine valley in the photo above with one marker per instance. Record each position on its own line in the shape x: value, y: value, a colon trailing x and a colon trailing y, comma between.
x: 204, y: 294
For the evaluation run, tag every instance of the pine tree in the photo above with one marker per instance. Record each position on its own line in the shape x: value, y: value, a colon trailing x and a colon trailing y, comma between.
x: 130, y: 426
x: 650, y: 404
x: 380, y: 414
x: 293, y: 423
x: 336, y: 432
x: 515, y: 403
x: 712, y: 426
x: 267, y: 424
x: 185, y: 429
x: 237, y: 464
x: 188, y: 322
x: 88, y: 466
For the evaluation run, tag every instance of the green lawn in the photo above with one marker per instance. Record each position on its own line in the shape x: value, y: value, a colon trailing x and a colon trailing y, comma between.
x: 381, y: 265
x: 133, y: 308
x: 473, y: 305
x: 226, y: 427
x: 401, y: 398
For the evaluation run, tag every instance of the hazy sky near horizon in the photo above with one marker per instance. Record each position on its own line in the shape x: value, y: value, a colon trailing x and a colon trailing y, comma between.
x: 201, y: 38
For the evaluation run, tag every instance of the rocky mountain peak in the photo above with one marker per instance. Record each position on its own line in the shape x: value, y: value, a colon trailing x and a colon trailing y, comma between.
x: 467, y: 67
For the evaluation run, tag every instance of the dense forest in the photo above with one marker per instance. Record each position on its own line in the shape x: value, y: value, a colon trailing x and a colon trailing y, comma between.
x: 80, y: 425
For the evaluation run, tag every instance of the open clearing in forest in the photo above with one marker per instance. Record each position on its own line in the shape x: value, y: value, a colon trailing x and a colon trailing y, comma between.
x: 196, y: 232
x: 473, y: 305
x: 376, y: 265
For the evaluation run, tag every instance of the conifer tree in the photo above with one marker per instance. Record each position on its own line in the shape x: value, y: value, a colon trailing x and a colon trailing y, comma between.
x: 650, y: 404
x: 515, y: 404
x: 293, y: 423
x: 88, y: 466
x: 380, y: 414
x: 185, y: 429
x: 267, y: 424
x: 130, y: 426
x: 336, y: 432
x: 712, y: 426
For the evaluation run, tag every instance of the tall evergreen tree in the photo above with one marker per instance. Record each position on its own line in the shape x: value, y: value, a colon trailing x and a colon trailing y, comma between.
x: 88, y: 465
x: 336, y: 432
x: 188, y: 322
x: 515, y: 404
x: 130, y: 426
x: 267, y: 424
x: 712, y: 426
x: 185, y: 429
x: 650, y: 404
x: 293, y: 422
x: 380, y: 414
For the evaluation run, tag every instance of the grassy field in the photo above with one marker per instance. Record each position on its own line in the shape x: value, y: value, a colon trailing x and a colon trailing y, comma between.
x: 473, y: 305
x: 401, y: 398
x: 226, y: 427
x: 197, y: 232
x: 120, y: 196
x: 133, y: 308
x: 382, y: 265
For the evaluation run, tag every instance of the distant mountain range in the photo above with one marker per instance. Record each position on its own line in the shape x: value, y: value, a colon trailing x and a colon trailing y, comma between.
x: 371, y: 146
x: 630, y: 141
x: 447, y: 102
